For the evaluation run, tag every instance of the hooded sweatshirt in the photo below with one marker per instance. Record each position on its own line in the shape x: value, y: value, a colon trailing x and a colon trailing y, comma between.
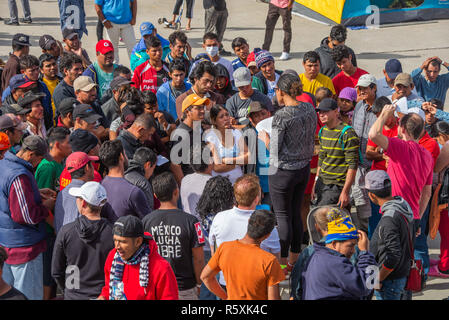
x: 390, y: 242
x: 81, y: 249
x: 227, y: 91
x: 328, y: 66
x: 329, y: 275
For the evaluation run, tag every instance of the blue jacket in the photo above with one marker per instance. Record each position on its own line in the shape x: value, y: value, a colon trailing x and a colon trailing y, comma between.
x: 12, y: 234
x: 329, y: 275
x: 46, y: 103
x: 166, y: 100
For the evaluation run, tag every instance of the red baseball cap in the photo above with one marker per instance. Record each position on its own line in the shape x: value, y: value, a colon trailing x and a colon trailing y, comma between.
x: 104, y: 46
x: 77, y: 160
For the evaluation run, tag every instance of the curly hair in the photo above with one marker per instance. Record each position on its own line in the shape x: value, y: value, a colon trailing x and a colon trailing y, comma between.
x: 340, y: 52
x: 219, y: 197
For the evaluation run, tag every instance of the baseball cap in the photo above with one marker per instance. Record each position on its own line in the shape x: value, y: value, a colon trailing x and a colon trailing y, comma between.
x: 194, y: 100
x: 255, y: 106
x: 348, y: 93
x: 376, y: 180
x: 418, y: 111
x: 104, y: 46
x: 46, y: 41
x: 393, y: 67
x: 82, y: 140
x: 29, y: 97
x: 4, y: 141
x: 129, y: 227
x: 21, y: 39
x: 86, y: 113
x: 68, y: 33
x: 92, y: 192
x: 242, y: 77
x: 327, y: 104
x: 146, y: 28
x: 36, y: 144
x: 119, y: 81
x: 77, y: 160
x: 19, y: 81
x: 83, y: 83
x: 67, y: 105
x: 403, y: 78
x: 365, y: 80
x: 7, y: 122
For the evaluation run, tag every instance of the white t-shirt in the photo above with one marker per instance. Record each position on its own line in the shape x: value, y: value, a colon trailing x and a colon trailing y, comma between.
x: 265, y: 125
x: 192, y: 186
x: 232, y: 225
x: 271, y: 85
x: 228, y: 65
x: 211, y: 137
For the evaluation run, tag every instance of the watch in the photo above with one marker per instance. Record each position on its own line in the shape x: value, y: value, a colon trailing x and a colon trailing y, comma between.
x: 104, y: 21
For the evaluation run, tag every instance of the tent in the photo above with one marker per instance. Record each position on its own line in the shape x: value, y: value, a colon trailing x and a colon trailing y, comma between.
x: 358, y: 12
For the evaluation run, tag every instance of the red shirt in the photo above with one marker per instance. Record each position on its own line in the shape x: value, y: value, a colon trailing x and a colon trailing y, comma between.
x: 162, y: 283
x: 342, y: 81
x: 389, y: 133
x: 430, y: 145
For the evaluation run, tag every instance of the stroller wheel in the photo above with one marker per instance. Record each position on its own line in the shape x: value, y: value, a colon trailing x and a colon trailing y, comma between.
x: 178, y: 26
x: 160, y: 20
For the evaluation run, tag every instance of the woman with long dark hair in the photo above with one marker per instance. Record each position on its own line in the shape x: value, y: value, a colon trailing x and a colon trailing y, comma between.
x: 291, y: 149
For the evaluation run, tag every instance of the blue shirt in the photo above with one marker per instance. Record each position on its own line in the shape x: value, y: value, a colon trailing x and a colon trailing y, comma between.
x: 116, y: 11
x: 431, y: 90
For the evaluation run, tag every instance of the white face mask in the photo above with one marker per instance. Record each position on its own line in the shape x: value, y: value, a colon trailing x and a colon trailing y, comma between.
x: 212, y: 51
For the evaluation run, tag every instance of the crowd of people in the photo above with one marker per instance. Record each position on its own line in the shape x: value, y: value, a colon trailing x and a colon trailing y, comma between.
x: 207, y: 178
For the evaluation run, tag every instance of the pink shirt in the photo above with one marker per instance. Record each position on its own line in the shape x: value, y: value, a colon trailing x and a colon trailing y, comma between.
x: 280, y: 3
x: 410, y: 169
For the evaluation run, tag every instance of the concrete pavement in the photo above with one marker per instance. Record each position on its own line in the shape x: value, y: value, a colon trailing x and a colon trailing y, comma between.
x: 410, y: 43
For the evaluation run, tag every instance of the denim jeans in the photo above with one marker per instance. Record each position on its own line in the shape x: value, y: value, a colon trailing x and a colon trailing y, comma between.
x: 391, y: 289
x: 421, y: 247
x: 13, y: 12
x: 26, y: 277
x: 205, y: 294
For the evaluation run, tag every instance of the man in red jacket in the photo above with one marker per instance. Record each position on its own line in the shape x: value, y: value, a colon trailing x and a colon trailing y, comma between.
x: 134, y: 270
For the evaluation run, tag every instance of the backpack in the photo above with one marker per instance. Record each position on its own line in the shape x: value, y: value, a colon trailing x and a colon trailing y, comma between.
x: 343, y: 131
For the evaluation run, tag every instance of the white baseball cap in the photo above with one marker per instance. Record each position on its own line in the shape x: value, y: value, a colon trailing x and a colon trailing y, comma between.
x: 365, y: 80
x: 419, y: 111
x: 92, y: 192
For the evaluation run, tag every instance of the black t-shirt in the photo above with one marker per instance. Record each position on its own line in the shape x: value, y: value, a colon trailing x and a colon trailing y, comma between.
x: 219, y: 5
x: 183, y: 142
x: 13, y: 294
x: 176, y: 233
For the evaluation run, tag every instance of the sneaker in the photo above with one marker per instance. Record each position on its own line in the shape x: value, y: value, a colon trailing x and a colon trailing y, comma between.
x: 433, y: 262
x: 434, y: 271
x: 284, y: 56
x: 11, y: 23
x: 26, y: 20
x: 224, y: 53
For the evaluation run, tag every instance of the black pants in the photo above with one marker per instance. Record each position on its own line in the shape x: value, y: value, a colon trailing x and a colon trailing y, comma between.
x: 287, y: 189
x: 178, y: 5
x: 272, y: 17
x: 100, y: 29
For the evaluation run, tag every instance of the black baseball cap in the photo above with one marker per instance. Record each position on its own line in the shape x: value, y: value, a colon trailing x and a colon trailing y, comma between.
x: 36, y: 144
x: 129, y: 227
x: 29, y: 97
x: 67, y: 105
x: 119, y: 81
x: 69, y: 33
x: 85, y: 112
x: 46, y: 41
x: 327, y: 104
x: 21, y: 39
x: 82, y: 140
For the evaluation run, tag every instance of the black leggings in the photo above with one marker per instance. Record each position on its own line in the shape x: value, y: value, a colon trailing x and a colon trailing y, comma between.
x: 178, y: 5
x: 287, y: 189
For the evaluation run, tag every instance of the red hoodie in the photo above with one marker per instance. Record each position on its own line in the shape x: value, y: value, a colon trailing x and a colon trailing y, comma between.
x: 162, y: 283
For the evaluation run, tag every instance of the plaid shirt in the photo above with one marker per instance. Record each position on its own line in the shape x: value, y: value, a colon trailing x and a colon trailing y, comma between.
x: 362, y: 122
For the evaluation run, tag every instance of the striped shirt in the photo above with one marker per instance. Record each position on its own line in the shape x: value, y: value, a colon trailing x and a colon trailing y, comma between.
x: 337, y: 155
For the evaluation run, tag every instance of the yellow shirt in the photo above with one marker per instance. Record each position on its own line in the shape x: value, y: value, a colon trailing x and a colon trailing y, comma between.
x: 320, y: 81
x: 51, y: 85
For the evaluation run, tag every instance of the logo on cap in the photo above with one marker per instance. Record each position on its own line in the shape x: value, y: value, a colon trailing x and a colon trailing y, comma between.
x: 22, y: 39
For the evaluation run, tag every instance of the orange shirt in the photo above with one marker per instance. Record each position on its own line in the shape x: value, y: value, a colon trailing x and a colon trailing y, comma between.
x: 248, y: 270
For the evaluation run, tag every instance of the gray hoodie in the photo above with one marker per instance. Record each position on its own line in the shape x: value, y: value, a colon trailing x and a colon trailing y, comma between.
x: 391, y: 240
